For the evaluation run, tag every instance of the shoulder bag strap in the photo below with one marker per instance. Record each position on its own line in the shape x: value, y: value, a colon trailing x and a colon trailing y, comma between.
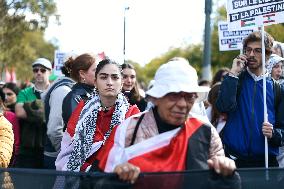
x: 136, y: 129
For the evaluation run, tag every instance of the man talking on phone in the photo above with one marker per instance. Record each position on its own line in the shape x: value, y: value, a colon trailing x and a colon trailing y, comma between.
x: 241, y: 98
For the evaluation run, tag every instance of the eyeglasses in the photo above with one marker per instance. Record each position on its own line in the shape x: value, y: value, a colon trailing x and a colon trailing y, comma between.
x: 42, y: 70
x: 9, y: 94
x: 189, y: 97
x: 256, y: 51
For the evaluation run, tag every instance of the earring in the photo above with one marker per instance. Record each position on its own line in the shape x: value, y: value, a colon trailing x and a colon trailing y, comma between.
x: 84, y: 80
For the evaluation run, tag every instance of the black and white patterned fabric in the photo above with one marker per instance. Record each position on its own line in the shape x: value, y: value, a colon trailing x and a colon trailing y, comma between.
x: 86, y: 128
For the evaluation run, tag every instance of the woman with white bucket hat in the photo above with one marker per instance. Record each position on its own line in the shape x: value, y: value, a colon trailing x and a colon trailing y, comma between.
x: 146, y: 142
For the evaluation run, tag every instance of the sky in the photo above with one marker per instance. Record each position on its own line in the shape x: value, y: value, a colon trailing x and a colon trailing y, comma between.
x: 152, y: 26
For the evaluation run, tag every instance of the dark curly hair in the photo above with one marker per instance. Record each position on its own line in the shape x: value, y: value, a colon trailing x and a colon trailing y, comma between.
x: 256, y: 37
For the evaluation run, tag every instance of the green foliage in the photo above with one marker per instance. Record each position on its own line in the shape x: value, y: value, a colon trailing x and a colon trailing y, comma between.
x: 276, y: 31
x: 192, y: 53
x: 40, y: 10
x: 32, y: 46
x: 22, y: 40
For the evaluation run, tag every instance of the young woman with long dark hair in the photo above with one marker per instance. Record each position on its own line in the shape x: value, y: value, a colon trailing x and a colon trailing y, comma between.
x: 92, y: 121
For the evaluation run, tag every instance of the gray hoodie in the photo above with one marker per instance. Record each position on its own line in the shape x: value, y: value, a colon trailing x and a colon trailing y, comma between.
x: 55, y: 121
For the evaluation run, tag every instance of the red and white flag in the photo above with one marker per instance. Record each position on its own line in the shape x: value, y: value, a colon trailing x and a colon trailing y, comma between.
x: 7, y: 75
x: 13, y: 76
x: 101, y: 56
x: 10, y: 76
x: 162, y: 153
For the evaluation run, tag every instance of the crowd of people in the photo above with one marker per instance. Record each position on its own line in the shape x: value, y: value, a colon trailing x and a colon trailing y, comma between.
x: 95, y: 117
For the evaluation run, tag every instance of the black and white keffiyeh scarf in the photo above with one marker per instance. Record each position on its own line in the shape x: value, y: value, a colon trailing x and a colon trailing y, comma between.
x: 86, y: 128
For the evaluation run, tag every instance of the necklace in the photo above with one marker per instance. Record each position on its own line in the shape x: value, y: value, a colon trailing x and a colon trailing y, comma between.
x: 106, y: 108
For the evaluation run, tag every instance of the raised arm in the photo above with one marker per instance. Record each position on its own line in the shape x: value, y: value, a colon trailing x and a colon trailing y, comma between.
x: 227, y: 97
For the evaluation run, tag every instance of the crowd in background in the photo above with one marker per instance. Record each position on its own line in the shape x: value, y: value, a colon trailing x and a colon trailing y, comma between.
x: 68, y: 124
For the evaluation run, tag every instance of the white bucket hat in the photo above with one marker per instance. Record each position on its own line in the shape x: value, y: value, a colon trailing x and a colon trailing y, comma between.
x: 42, y: 62
x: 177, y: 76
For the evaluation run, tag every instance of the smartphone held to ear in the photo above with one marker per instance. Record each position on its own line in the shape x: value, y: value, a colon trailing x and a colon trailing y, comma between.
x: 242, y: 61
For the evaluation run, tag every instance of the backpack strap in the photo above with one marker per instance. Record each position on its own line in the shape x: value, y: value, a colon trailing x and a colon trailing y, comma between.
x: 63, y: 82
x: 136, y: 129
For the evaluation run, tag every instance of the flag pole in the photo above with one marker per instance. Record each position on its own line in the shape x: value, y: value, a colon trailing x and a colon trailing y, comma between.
x: 264, y: 92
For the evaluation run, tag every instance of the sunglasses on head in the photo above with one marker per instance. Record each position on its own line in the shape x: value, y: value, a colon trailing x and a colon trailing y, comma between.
x: 42, y: 70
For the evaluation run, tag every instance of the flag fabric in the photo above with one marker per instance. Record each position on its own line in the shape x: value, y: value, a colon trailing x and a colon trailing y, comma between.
x: 7, y: 75
x: 101, y: 56
x: 13, y: 76
x: 160, y: 153
x: 10, y: 76
x: 185, y: 148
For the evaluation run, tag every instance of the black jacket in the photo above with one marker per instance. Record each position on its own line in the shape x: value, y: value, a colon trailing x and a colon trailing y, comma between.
x: 80, y: 91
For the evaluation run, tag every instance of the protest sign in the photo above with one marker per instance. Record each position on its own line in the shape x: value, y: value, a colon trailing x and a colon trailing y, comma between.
x: 232, y: 39
x: 58, y: 62
x: 242, y: 13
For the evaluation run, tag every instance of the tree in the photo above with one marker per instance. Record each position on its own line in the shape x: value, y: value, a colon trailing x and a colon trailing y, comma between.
x: 192, y: 53
x: 16, y: 28
x: 31, y: 46
x: 39, y: 10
